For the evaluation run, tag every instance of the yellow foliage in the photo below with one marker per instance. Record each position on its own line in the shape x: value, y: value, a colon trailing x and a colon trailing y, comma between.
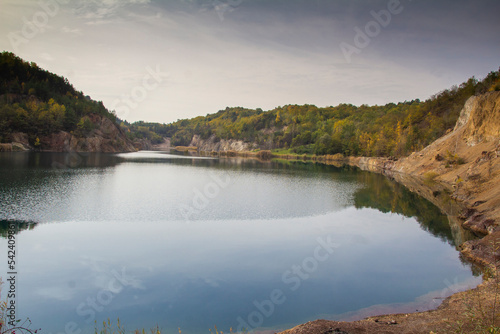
x: 21, y: 112
x: 33, y: 105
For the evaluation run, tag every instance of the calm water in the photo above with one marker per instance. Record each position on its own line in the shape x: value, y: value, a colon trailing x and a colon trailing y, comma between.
x: 174, y: 241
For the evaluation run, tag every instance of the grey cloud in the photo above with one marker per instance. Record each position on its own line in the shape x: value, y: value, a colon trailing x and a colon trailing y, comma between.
x: 259, y: 53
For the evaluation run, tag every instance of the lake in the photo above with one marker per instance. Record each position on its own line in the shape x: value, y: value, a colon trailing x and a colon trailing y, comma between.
x: 189, y: 242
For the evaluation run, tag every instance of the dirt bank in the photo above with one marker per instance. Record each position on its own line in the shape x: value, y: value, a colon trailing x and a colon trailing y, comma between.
x: 463, y: 165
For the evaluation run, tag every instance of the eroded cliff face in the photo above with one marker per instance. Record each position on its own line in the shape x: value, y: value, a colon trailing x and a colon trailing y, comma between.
x: 105, y: 137
x: 212, y: 144
x: 480, y: 119
x: 465, y: 165
x: 468, y: 158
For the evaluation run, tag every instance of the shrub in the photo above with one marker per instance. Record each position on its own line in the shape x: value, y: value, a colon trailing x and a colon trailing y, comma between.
x: 430, y: 177
x: 453, y: 159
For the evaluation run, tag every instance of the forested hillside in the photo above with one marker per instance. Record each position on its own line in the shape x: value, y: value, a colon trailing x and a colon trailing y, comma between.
x: 38, y: 103
x: 389, y: 130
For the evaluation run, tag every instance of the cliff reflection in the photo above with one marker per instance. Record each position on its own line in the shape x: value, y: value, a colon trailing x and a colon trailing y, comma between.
x: 386, y: 195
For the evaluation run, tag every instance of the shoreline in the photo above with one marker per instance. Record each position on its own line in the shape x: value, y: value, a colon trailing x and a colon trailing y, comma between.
x: 404, y: 317
x: 463, y: 165
x: 409, y: 317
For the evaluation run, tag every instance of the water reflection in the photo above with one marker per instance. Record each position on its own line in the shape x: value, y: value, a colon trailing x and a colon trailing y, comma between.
x: 20, y: 226
x: 168, y: 189
x: 17, y: 160
x: 389, y: 196
x: 121, y: 212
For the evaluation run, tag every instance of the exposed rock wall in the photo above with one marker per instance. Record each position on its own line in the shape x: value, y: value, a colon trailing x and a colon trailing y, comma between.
x: 483, y: 122
x: 463, y: 165
x: 105, y: 137
x: 466, y: 165
x: 165, y: 146
x: 468, y: 158
x: 212, y: 144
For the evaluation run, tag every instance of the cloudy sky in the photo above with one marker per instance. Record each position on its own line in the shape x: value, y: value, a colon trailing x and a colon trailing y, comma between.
x: 163, y: 60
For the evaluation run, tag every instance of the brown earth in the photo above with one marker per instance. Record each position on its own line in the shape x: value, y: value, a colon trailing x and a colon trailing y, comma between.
x: 463, y: 165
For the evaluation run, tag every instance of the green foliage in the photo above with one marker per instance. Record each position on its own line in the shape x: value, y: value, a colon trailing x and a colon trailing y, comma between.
x: 85, y: 126
x: 154, y: 132
x: 389, y: 130
x: 453, y: 159
x: 38, y: 102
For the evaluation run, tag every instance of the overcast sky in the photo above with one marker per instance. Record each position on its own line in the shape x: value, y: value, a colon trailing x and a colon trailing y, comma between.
x: 158, y: 60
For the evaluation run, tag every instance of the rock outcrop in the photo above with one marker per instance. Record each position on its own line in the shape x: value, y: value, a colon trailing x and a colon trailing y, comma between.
x: 480, y: 119
x: 105, y: 137
x: 467, y: 160
x: 464, y: 165
x: 213, y: 144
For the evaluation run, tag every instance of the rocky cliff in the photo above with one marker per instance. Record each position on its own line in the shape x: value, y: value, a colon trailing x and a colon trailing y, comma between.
x: 104, y: 136
x: 467, y: 160
x: 465, y: 165
x: 213, y: 144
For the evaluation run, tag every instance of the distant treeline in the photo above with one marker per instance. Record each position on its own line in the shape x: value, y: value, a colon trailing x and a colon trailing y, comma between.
x: 389, y: 130
x: 38, y: 102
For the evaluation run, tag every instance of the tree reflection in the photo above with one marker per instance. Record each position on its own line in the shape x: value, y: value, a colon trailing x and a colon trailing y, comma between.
x: 21, y: 226
x: 386, y: 195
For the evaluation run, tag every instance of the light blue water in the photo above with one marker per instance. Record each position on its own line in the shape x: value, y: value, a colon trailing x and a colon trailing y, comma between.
x: 183, y: 242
